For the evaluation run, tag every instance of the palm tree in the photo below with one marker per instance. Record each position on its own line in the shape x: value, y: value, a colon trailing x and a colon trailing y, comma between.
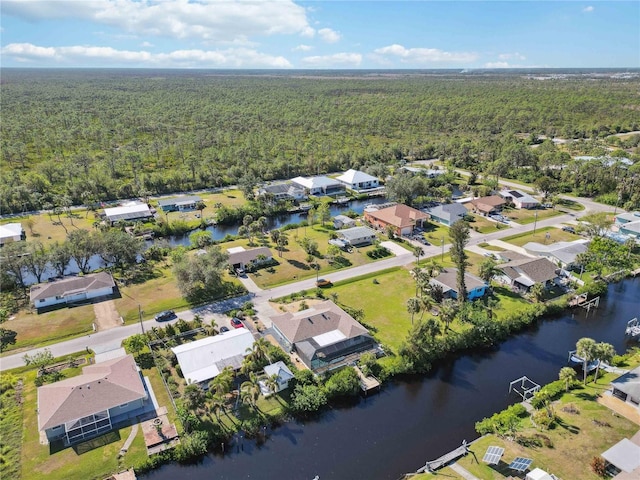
x: 217, y: 405
x: 448, y: 312
x: 413, y: 307
x: 426, y: 302
x: 537, y: 292
x: 250, y: 390
x: 488, y: 269
x: 260, y: 350
x: 282, y: 242
x: 567, y: 374
x: 586, y: 349
x: 418, y: 252
x: 223, y: 382
x: 272, y: 383
x: 604, y: 352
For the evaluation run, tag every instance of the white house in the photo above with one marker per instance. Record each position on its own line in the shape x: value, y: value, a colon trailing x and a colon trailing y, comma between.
x: 180, y: 204
x: 204, y: 359
x: 282, y: 191
x: 129, y: 212
x: 241, y: 258
x: 563, y: 253
x: 357, y: 180
x: 357, y: 236
x: 11, y: 232
x: 70, y: 290
x: 342, y: 221
x: 320, y: 185
x: 519, y: 199
x: 283, y: 375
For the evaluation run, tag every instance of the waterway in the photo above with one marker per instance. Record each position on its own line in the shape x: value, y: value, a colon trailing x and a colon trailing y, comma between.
x: 410, y: 422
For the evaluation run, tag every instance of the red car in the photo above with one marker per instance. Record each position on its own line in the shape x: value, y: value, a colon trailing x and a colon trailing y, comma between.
x: 237, y: 323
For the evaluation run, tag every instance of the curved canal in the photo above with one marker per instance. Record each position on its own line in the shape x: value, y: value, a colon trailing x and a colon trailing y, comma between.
x: 396, y: 431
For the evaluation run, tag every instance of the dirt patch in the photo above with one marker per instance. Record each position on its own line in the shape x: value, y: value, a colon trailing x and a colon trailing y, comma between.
x: 293, y: 306
x: 106, y: 315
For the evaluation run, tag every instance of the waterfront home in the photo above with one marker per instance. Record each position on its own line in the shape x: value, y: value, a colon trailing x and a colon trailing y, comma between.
x: 623, y: 459
x: 627, y: 388
x: 72, y: 290
x: 129, y: 212
x: 402, y: 218
x: 282, y: 191
x: 629, y: 224
x: 342, y: 221
x: 320, y: 185
x: 358, y: 181
x: 629, y: 217
x: 11, y: 232
x: 448, y: 281
x: 282, y: 374
x: 323, y: 336
x: 562, y: 254
x: 91, y: 404
x: 180, y: 204
x: 448, y: 213
x: 525, y: 273
x: 202, y: 360
x: 357, y: 236
x: 487, y: 205
x: 427, y: 172
x: 519, y: 199
x: 239, y: 258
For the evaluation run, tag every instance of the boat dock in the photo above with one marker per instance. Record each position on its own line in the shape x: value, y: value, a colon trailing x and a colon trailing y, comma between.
x: 445, y: 459
x: 369, y: 383
x: 579, y: 361
x: 581, y: 301
x: 633, y: 328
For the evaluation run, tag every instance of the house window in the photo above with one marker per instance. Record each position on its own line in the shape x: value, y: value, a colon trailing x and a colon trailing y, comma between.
x: 59, y: 297
x: 41, y: 300
x: 124, y: 405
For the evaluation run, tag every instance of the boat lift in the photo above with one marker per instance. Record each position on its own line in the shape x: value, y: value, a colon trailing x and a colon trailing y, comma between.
x: 525, y: 387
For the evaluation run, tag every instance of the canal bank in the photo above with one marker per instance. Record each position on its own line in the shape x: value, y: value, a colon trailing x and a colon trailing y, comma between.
x: 413, y: 421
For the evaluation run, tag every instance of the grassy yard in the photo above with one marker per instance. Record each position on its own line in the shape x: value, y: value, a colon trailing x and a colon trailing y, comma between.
x: 569, y: 205
x: 484, y: 225
x: 524, y: 216
x: 42, y: 329
x: 576, y: 439
x: 48, y: 229
x: 434, y: 232
x: 228, y: 198
x: 555, y: 235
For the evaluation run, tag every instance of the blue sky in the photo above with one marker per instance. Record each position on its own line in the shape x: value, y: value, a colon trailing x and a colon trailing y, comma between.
x: 286, y: 34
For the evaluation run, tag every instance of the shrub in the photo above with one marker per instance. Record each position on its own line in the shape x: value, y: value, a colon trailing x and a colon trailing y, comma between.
x: 307, y: 400
x: 548, y: 392
x: 344, y: 383
x: 599, y: 466
x: 542, y: 419
x: 192, y: 446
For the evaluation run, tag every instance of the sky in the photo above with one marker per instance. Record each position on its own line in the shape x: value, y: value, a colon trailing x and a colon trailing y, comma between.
x: 324, y: 34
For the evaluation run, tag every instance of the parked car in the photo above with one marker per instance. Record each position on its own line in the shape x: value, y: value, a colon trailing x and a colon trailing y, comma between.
x: 166, y: 315
x: 241, y: 272
x: 569, y: 229
x: 224, y: 329
x: 323, y: 283
x: 236, y: 323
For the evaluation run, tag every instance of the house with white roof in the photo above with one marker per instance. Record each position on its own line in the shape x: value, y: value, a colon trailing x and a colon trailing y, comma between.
x: 519, y: 199
x: 320, y: 185
x: 560, y: 253
x: 11, y: 232
x: 448, y: 213
x: 179, y: 204
x: 282, y: 191
x: 283, y: 376
x: 629, y: 224
x: 204, y: 359
x: 357, y: 236
x: 129, y: 212
x: 358, y: 181
x: 342, y: 221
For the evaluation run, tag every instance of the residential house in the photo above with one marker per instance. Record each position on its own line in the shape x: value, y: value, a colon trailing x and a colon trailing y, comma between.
x: 283, y: 191
x: 11, y: 232
x: 519, y: 199
x: 525, y: 273
x: 358, y: 181
x: 72, y: 290
x: 427, y: 172
x: 627, y: 388
x: 539, y: 474
x: 342, y: 221
x: 202, y: 360
x: 629, y: 224
x: 239, y: 258
x: 81, y: 407
x: 448, y: 281
x: 320, y: 185
x: 129, y: 212
x: 623, y: 459
x: 562, y: 254
x: 624, y: 218
x: 180, y: 204
x: 283, y: 376
x: 357, y: 236
x: 487, y: 205
x: 448, y: 213
x: 403, y: 218
x: 323, y: 336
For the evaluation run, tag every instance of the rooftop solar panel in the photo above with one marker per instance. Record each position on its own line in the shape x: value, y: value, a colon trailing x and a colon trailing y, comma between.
x: 520, y: 464
x: 493, y: 455
x: 516, y: 194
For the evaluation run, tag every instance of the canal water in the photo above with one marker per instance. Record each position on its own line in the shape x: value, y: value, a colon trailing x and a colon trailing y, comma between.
x: 410, y: 422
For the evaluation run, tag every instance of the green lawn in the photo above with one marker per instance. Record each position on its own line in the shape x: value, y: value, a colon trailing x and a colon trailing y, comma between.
x: 555, y: 235
x: 483, y: 225
x: 569, y: 205
x: 228, y: 198
x: 50, y: 228
x: 524, y: 216
x: 435, y: 233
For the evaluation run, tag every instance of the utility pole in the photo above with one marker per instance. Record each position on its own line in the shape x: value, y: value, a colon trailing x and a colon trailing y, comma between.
x: 140, y: 316
x: 442, y: 255
x: 535, y: 222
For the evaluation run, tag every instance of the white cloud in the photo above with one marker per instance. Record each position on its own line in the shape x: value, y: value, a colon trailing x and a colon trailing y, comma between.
x: 302, y: 48
x: 335, y: 60
x: 328, y: 35
x: 208, y: 20
x: 422, y: 55
x: 512, y: 56
x: 497, y: 65
x: 588, y: 9
x: 83, y: 55
x: 146, y: 44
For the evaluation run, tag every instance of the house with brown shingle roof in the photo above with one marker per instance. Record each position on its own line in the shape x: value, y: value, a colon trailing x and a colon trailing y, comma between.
x: 487, y: 205
x: 526, y: 272
x: 71, y: 290
x: 402, y: 217
x: 90, y: 404
x: 324, y: 336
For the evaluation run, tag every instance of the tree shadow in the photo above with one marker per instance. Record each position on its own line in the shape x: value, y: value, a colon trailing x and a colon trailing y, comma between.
x: 298, y: 264
x: 567, y: 426
x: 97, y: 442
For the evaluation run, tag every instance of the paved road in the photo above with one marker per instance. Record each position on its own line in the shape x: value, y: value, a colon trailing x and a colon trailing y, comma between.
x: 260, y: 298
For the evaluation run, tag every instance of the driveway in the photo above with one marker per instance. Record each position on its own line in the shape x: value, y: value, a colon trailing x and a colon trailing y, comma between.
x: 396, y: 249
x: 106, y: 315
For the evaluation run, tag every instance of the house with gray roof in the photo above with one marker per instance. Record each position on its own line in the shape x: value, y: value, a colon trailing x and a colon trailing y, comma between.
x: 129, y: 212
x: 324, y: 336
x: 342, y: 221
x: 448, y: 281
x: 179, y: 204
x: 630, y: 228
x: 447, y: 214
x: 560, y: 253
x: 282, y: 191
x: 239, y: 258
x: 627, y: 388
x: 72, y: 290
x: 525, y: 273
x: 320, y: 185
x: 519, y: 199
x: 358, y: 181
x: 357, y: 236
x: 91, y: 404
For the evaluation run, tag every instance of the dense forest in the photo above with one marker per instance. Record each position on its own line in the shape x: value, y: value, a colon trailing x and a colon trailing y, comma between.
x: 85, y: 136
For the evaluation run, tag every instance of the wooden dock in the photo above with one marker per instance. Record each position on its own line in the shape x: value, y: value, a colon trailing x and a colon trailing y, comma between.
x: 635, y: 272
x: 445, y: 459
x: 367, y: 383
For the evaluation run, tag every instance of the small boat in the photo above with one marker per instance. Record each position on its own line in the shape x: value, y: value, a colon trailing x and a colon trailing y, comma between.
x: 575, y: 361
x: 633, y: 329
